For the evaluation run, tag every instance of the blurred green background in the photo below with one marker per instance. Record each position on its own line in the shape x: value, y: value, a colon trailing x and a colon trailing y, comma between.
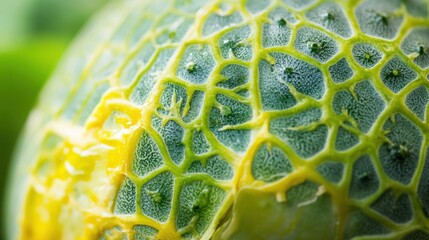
x: 33, y: 36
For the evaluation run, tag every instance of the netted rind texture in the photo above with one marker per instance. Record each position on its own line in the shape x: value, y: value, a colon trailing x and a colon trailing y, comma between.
x: 257, y: 119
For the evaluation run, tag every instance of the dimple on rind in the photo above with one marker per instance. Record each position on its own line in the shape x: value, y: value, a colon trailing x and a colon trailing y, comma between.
x: 233, y: 44
x: 156, y: 196
x: 275, y: 78
x: 315, y: 44
x: 400, y: 156
x: 230, y: 113
x: 198, y: 204
x: 395, y: 74
x: 277, y: 32
x: 364, y: 106
x: 416, y: 46
x: 366, y: 55
x: 330, y: 16
x: 379, y: 18
x: 196, y: 64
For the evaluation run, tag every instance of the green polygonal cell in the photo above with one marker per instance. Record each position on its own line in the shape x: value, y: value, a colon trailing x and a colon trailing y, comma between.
x: 196, y: 64
x: 277, y: 32
x: 316, y: 44
x: 359, y: 224
x: 222, y: 120
x: 165, y: 28
x: 400, y: 155
x: 270, y: 164
x: 298, y: 4
x: 396, y: 74
x: 330, y: 16
x: 197, y: 101
x: 332, y: 171
x: 416, y: 45
x: 341, y: 71
x: 345, y: 139
x: 198, y: 204
x: 274, y: 81
x: 235, y: 75
x: 233, y: 44
x: 188, y: 6
x: 380, y: 18
x: 256, y: 6
x: 156, y: 196
x: 396, y: 207
x: 140, y: 60
x: 144, y: 232
x: 301, y: 132
x: 366, y: 55
x: 418, y: 8
x: 417, y: 101
x: 175, y: 33
x: 216, y: 22
x: 416, y: 235
x: 422, y: 191
x: 148, y: 80
x: 147, y: 156
x: 363, y: 106
x: 215, y: 166
x: 172, y: 134
x: 126, y: 199
x: 173, y: 99
x: 200, y: 143
x: 364, y: 180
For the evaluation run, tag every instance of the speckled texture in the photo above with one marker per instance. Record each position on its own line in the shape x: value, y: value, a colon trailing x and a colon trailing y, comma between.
x: 234, y: 119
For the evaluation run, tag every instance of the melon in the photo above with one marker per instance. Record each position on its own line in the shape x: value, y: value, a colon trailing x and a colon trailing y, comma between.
x: 232, y: 119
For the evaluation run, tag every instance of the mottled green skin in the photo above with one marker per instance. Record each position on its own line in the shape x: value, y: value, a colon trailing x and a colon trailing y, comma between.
x: 261, y: 119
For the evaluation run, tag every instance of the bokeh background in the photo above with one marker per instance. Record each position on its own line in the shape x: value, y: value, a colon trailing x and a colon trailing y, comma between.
x: 33, y: 36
